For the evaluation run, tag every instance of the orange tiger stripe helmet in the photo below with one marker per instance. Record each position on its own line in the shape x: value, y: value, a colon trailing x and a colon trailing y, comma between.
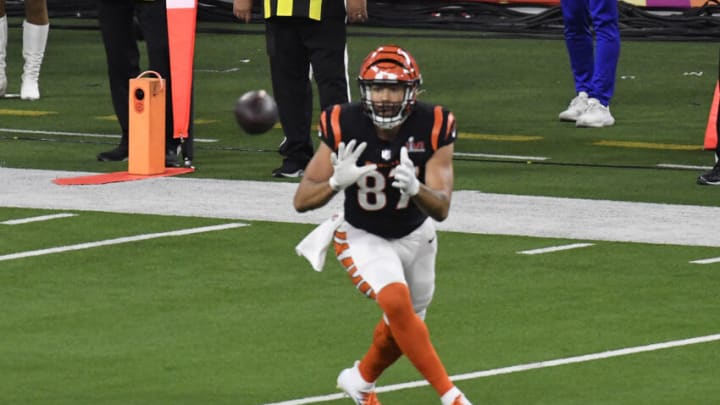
x: 389, y: 65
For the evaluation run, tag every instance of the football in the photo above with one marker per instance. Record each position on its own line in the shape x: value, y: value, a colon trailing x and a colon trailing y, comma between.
x: 256, y: 112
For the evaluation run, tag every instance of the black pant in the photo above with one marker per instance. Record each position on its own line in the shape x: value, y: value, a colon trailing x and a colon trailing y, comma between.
x: 293, y: 44
x: 117, y: 24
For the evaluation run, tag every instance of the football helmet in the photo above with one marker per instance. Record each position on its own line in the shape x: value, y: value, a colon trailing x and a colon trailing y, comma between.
x: 389, y: 65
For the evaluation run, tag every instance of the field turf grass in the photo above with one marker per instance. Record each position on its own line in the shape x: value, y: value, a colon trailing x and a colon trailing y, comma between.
x: 235, y: 317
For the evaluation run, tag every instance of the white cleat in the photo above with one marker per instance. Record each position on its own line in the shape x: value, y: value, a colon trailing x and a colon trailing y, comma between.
x: 454, y: 397
x: 359, y: 390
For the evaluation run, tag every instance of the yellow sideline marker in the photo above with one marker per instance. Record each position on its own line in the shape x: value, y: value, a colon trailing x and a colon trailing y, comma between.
x: 647, y: 145
x: 27, y: 113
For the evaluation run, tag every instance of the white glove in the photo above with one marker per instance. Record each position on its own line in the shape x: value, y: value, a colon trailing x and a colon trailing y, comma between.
x: 346, y: 170
x: 405, y: 179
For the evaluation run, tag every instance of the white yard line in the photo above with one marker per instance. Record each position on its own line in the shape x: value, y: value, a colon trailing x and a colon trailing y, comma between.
x: 552, y: 249
x: 84, y: 134
x: 706, y: 261
x: 685, y: 167
x: 490, y: 156
x: 39, y: 218
x: 520, y: 368
x: 117, y: 241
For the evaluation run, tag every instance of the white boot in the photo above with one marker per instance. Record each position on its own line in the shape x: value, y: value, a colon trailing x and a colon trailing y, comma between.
x: 34, y: 41
x: 3, y: 47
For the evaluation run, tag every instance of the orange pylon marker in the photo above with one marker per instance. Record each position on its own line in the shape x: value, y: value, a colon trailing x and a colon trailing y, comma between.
x: 146, y: 152
x: 711, y: 131
x: 181, y: 21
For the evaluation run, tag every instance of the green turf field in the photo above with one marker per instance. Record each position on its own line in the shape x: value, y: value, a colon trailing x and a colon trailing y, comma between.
x: 235, y: 317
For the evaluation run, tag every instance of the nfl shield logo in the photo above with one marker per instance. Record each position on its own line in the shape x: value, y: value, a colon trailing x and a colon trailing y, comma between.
x: 386, y: 154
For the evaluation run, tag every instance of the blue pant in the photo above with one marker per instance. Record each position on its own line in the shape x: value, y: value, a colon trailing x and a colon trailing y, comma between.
x: 593, y: 60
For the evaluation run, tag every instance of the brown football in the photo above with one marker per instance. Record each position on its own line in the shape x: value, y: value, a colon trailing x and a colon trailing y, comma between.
x: 256, y: 112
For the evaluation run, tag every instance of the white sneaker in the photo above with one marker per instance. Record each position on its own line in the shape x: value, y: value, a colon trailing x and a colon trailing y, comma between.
x: 454, y: 397
x: 576, y: 108
x: 595, y: 116
x: 359, y: 390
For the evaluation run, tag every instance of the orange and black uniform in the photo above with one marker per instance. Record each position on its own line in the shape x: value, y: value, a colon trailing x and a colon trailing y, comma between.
x: 374, y: 205
x: 300, y: 33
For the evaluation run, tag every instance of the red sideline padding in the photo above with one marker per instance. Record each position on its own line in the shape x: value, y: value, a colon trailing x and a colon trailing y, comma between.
x: 181, y: 22
x: 711, y: 131
x: 116, y: 177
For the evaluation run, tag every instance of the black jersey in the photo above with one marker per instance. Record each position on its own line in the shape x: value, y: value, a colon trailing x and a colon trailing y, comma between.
x: 372, y: 203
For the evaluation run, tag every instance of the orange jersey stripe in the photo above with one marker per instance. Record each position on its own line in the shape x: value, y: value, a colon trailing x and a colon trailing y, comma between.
x: 335, y: 122
x: 437, y: 125
x: 323, y: 123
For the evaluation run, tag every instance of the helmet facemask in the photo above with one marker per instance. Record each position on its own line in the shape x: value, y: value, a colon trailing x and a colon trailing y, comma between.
x: 389, y: 66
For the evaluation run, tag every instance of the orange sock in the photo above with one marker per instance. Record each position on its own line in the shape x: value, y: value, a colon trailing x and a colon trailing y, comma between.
x: 383, y: 352
x: 412, y: 336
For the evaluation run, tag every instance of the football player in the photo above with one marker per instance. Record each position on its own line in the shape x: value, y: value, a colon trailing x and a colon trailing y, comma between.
x: 391, y: 157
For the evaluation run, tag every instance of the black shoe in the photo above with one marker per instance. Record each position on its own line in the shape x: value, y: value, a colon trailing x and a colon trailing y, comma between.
x: 171, y: 158
x: 116, y: 155
x: 280, y: 173
x: 290, y: 169
x: 711, y: 178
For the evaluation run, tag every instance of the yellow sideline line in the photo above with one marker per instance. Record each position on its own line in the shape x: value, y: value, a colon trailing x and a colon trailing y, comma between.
x: 648, y: 145
x: 27, y: 113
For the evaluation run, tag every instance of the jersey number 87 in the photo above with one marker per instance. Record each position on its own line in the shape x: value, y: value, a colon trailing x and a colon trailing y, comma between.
x: 371, y: 194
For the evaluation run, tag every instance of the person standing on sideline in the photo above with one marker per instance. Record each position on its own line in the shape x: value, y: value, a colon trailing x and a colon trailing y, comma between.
x: 35, y: 34
x: 304, y: 38
x: 117, y: 25
x: 391, y: 157
x: 593, y: 61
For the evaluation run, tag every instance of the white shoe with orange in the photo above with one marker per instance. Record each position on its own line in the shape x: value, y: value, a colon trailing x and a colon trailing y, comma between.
x: 359, y: 390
